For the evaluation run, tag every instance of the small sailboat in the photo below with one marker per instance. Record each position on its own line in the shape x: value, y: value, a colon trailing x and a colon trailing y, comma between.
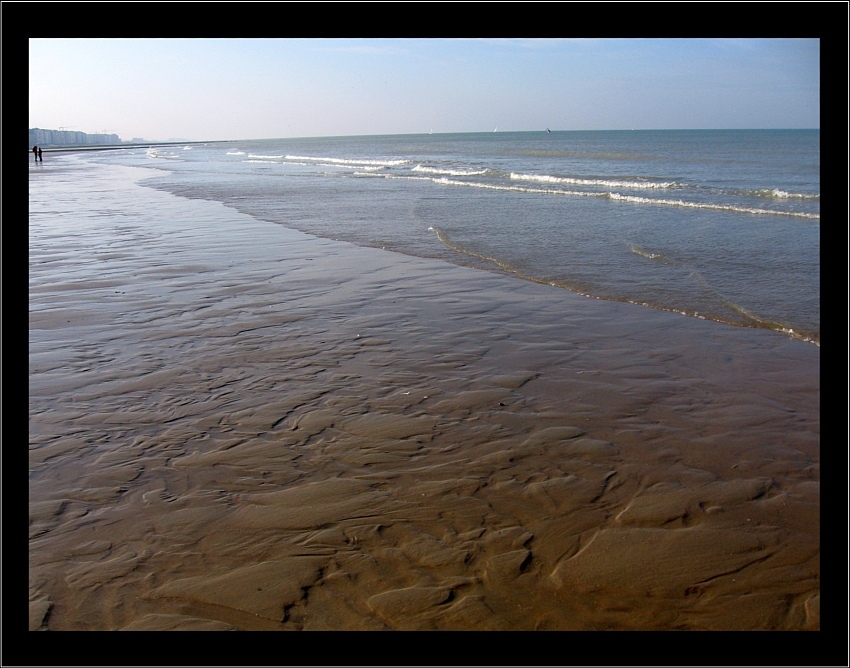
x: 548, y: 130
x: 496, y: 128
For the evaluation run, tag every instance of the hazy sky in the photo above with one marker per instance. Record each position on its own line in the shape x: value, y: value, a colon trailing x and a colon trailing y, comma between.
x: 212, y: 89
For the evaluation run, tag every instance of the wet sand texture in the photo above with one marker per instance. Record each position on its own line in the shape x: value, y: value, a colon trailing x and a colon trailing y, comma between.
x: 236, y: 426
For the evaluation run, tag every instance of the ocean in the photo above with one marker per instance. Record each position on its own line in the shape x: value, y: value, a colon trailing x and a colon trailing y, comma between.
x: 722, y: 225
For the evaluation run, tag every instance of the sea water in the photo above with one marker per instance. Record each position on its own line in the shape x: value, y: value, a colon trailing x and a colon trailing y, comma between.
x: 720, y: 225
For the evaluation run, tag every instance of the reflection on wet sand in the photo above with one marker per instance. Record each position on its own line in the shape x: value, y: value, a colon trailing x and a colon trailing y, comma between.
x: 236, y: 426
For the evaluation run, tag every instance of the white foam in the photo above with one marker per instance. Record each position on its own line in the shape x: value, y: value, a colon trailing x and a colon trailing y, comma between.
x: 449, y: 172
x: 717, y: 207
x: 605, y: 183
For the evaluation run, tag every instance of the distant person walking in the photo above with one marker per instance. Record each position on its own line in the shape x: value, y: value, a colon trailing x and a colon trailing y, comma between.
x: 35, y: 152
x: 40, y: 159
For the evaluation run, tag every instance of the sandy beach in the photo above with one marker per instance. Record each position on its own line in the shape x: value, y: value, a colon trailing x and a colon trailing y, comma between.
x: 236, y: 426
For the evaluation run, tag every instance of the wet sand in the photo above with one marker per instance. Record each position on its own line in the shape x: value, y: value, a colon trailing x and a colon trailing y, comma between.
x: 233, y: 425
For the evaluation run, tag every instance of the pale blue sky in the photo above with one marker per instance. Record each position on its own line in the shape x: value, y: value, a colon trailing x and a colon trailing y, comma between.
x: 213, y: 89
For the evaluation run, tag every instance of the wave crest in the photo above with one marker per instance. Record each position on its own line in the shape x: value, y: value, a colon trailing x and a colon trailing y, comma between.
x: 605, y: 183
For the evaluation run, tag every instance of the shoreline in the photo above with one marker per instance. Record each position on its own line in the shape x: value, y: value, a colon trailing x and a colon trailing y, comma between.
x: 114, y: 147
x: 236, y: 425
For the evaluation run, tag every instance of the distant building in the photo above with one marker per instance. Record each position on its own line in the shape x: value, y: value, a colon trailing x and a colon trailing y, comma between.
x: 52, y: 138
